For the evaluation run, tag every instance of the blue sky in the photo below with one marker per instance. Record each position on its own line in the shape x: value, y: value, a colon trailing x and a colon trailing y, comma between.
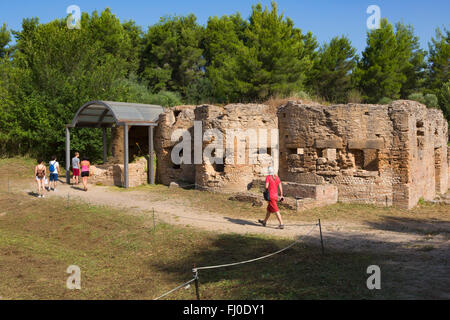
x: 325, y: 18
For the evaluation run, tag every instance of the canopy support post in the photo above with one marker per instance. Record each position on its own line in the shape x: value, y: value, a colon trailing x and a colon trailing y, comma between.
x: 125, y: 156
x: 67, y: 155
x: 150, y: 164
x: 105, y: 146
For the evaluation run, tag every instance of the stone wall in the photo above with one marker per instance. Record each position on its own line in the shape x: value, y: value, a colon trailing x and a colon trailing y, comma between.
x: 116, y: 145
x: 235, y: 172
x: 323, y: 193
x: 441, y: 153
x: 137, y: 143
x: 180, y: 117
x: 382, y: 154
x: 112, y: 174
x: 448, y: 162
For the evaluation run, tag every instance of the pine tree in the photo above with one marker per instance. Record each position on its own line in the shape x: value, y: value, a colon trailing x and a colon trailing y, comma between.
x: 278, y: 64
x: 223, y: 44
x: 444, y: 99
x: 378, y: 73
x: 411, y: 60
x: 173, y: 57
x: 331, y: 75
x: 5, y: 39
x: 250, y: 61
x: 438, y: 60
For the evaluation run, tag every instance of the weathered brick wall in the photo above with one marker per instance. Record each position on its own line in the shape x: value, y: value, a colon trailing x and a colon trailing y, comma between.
x: 236, y: 174
x: 180, y: 117
x: 383, y: 154
x: 440, y: 133
x: 344, y: 145
x: 116, y: 145
x: 424, y: 134
x: 138, y: 143
x: 324, y: 193
x: 448, y: 162
x: 112, y: 174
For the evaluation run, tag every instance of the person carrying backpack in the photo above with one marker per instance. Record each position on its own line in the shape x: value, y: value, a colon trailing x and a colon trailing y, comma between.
x: 85, y: 172
x: 40, y: 171
x: 273, y: 184
x: 54, y: 172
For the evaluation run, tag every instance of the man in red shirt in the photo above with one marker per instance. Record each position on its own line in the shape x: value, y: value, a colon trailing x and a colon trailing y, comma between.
x: 273, y: 183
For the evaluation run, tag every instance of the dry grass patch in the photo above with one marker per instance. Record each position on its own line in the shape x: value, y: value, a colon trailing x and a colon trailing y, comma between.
x: 122, y: 257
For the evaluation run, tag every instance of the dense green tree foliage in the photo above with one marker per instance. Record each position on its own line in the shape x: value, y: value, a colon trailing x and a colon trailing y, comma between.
x: 56, y: 70
x: 275, y: 61
x: 439, y: 59
x: 331, y: 74
x: 52, y: 70
x: 5, y: 39
x: 444, y: 99
x: 255, y: 59
x: 411, y: 60
x: 172, y: 58
x: 223, y: 47
x: 393, y: 65
x: 378, y: 74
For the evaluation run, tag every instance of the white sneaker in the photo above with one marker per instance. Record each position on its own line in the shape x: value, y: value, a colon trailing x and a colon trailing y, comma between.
x: 39, y: 196
x: 42, y: 196
x: 54, y: 190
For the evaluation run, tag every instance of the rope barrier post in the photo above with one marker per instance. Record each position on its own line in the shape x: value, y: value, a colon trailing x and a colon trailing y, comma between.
x: 321, y: 237
x: 154, y: 226
x: 195, y: 274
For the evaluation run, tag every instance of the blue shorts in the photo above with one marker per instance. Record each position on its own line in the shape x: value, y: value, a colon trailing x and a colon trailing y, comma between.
x: 53, y: 177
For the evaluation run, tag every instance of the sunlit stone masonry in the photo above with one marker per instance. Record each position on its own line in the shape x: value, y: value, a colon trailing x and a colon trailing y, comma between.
x: 383, y: 154
x: 387, y: 155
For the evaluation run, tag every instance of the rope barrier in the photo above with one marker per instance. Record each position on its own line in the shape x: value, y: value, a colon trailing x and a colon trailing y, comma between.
x: 175, y: 289
x: 195, y: 270
x: 256, y: 259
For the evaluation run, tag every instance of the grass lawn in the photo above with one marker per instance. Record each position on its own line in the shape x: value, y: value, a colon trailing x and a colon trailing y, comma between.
x: 124, y: 257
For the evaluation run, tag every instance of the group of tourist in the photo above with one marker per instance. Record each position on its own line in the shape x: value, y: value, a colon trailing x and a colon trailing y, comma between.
x: 82, y: 168
x: 79, y: 168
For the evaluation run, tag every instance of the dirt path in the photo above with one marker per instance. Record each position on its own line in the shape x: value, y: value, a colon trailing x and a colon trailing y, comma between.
x: 179, y: 212
x: 424, y: 256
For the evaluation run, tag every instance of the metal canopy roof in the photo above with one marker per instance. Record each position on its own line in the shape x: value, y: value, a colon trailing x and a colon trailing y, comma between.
x: 103, y: 114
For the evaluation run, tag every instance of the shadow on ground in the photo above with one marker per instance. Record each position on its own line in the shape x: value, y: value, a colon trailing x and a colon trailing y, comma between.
x: 302, y: 272
x: 242, y: 222
x: 411, y: 225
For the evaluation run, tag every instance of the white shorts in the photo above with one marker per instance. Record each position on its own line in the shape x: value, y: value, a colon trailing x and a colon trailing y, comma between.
x: 41, y: 179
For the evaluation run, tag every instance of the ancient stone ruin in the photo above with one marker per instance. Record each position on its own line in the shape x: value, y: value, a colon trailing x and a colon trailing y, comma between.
x: 111, y: 173
x: 387, y: 155
x: 176, y: 118
x: 382, y: 154
x: 244, y: 122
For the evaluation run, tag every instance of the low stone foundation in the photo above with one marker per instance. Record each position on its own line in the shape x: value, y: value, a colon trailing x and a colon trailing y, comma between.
x: 297, y: 196
x: 112, y: 174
